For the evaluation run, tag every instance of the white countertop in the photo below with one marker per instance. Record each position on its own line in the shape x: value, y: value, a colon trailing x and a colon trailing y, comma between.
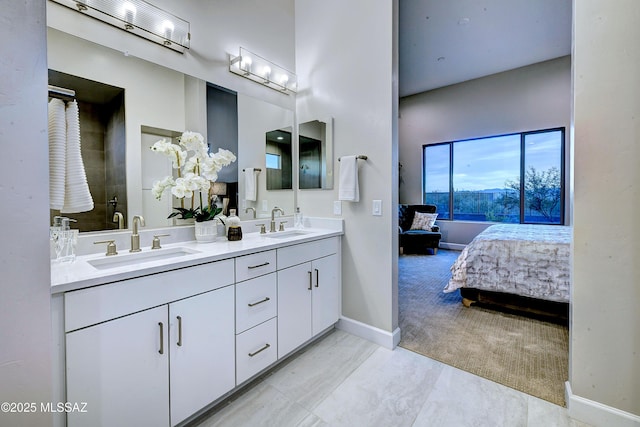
x: 80, y: 274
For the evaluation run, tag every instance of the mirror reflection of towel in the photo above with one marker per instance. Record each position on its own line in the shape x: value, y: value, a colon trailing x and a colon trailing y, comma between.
x: 250, y: 185
x: 77, y: 197
x: 349, y: 190
x: 57, y: 153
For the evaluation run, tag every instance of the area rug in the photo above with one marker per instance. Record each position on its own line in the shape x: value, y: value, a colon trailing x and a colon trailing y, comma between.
x: 523, y: 353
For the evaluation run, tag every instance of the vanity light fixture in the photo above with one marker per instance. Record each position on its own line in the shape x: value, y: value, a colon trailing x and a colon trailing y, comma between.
x: 137, y: 17
x: 265, y: 72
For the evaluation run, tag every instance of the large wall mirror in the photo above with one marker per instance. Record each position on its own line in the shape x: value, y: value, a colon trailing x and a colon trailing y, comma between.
x: 159, y: 103
x: 315, y: 154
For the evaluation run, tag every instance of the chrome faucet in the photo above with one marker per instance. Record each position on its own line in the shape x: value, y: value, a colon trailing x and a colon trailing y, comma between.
x: 135, y: 237
x: 251, y: 209
x: 272, y: 228
x: 117, y: 217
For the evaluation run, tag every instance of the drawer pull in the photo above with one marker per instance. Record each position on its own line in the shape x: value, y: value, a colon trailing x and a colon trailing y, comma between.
x: 179, y: 331
x: 310, y: 280
x: 317, y: 277
x: 253, y: 304
x: 259, y: 265
x: 266, y: 346
x: 161, y: 351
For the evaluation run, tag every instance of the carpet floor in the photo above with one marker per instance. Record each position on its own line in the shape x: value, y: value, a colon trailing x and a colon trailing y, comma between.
x: 526, y: 354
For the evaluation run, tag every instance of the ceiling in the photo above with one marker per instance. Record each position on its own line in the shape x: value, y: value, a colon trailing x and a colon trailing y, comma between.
x: 443, y: 42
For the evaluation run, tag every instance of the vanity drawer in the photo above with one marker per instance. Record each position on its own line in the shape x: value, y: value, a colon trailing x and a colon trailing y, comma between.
x: 254, y: 265
x: 89, y: 306
x: 255, y: 301
x: 297, y: 254
x: 256, y: 349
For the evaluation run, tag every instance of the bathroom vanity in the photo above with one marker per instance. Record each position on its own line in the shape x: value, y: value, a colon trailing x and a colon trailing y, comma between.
x: 157, y: 337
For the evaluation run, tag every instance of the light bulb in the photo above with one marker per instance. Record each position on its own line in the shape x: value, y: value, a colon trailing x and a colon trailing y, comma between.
x: 245, y: 63
x: 283, y: 80
x: 129, y: 12
x: 266, y: 72
x: 167, y: 29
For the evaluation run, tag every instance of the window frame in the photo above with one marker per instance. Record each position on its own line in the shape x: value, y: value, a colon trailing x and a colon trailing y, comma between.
x: 522, y: 135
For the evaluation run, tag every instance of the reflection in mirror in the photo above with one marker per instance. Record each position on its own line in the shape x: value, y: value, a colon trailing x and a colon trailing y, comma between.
x: 315, y: 155
x: 278, y: 159
x: 222, y: 132
x: 102, y: 142
x: 256, y: 118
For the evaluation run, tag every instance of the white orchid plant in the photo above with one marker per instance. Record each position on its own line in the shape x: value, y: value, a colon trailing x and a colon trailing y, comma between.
x: 196, y: 170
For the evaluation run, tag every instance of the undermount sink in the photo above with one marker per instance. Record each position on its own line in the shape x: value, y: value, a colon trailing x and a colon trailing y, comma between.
x: 285, y: 234
x: 149, y: 255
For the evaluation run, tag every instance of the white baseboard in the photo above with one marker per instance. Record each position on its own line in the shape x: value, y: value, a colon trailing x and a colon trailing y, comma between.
x: 383, y: 338
x: 597, y: 414
x: 452, y: 246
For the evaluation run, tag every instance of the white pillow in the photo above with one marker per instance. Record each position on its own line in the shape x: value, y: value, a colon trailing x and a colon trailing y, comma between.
x: 423, y: 221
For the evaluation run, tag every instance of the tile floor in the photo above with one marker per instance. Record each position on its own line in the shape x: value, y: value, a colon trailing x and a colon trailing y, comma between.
x: 343, y: 380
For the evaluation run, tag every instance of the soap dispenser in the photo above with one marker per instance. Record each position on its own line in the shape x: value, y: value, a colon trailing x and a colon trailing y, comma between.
x: 234, y: 231
x: 64, y: 239
x: 298, y: 220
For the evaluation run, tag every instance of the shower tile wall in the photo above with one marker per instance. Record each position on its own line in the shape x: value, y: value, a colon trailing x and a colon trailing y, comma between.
x: 115, y: 148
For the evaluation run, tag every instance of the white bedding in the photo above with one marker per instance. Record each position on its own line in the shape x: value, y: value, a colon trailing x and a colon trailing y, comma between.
x: 521, y: 259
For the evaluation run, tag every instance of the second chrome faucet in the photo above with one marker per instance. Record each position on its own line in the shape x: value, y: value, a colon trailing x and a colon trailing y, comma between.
x: 135, y: 237
x: 272, y: 229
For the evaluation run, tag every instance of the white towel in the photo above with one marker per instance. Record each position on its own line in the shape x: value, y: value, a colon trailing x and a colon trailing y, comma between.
x: 349, y: 190
x: 250, y: 185
x: 77, y: 196
x: 57, y: 153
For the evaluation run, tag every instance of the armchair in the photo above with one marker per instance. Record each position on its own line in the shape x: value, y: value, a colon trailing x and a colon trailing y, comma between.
x: 416, y: 241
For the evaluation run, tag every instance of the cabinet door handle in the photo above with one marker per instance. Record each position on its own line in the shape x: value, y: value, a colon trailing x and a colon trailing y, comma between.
x: 161, y: 351
x: 253, y: 304
x: 266, y: 346
x: 317, y: 277
x: 259, y: 265
x: 179, y: 331
x: 310, y: 280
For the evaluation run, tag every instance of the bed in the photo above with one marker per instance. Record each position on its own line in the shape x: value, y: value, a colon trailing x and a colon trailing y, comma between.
x: 518, y: 266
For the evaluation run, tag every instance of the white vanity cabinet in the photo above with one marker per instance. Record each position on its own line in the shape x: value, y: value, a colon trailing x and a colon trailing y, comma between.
x: 308, y: 292
x: 116, y: 368
x: 155, y: 349
x: 201, y: 342
x: 256, y: 313
x: 157, y: 366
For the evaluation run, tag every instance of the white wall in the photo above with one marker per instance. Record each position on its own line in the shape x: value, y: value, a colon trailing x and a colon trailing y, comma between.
x: 528, y: 98
x: 345, y: 65
x: 605, y: 320
x: 25, y: 325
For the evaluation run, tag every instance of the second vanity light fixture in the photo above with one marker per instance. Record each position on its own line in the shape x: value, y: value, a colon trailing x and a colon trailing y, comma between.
x: 265, y: 72
x: 137, y: 17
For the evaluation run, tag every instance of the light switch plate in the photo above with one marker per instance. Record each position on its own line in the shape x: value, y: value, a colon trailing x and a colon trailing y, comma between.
x: 337, y: 207
x: 376, y: 209
x: 265, y: 206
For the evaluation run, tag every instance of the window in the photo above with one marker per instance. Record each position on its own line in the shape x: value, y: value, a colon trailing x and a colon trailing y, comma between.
x: 273, y: 161
x: 515, y: 178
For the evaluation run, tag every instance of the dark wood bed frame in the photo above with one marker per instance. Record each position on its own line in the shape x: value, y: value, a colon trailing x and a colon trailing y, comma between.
x: 552, y: 311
